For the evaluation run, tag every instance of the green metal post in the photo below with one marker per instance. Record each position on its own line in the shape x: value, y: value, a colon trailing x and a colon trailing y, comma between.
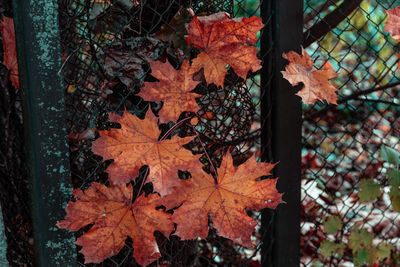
x: 39, y: 60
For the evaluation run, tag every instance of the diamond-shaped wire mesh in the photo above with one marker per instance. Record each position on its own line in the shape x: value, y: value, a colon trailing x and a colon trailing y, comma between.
x: 106, y: 48
x: 341, y: 143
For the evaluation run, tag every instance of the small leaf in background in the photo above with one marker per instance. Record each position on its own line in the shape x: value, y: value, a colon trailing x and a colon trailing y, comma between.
x: 362, y: 257
x: 328, y: 248
x: 359, y: 239
x: 384, y: 250
x: 394, y: 192
x: 332, y: 224
x: 369, y: 190
x: 10, y: 52
x: 317, y: 263
x: 393, y: 173
x: 390, y: 155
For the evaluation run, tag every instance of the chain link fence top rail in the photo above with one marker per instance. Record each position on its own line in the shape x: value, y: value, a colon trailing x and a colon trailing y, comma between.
x: 341, y: 143
x: 106, y: 46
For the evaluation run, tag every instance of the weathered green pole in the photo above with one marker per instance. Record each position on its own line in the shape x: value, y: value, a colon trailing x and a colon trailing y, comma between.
x: 39, y: 60
x: 282, y: 133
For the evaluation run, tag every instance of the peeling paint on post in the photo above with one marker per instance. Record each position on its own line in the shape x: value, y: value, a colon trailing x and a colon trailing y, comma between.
x: 39, y: 59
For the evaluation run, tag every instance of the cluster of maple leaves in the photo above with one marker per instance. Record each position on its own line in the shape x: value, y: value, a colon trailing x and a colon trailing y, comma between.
x: 222, y: 195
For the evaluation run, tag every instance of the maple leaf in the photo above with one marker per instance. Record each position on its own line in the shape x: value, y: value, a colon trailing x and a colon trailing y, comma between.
x: 224, y: 201
x: 394, y: 192
x: 332, y: 224
x: 316, y: 82
x: 125, y: 59
x: 369, y: 190
x: 224, y: 41
x: 175, y: 30
x: 328, y: 248
x: 392, y: 25
x: 10, y: 52
x: 173, y: 89
x: 359, y: 239
x: 137, y: 144
x: 115, y: 218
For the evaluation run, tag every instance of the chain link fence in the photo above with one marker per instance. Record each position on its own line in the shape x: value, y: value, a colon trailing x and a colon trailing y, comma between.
x: 341, y: 143
x: 107, y: 46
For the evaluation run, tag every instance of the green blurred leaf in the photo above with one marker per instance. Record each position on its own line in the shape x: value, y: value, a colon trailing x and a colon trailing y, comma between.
x: 369, y: 190
x: 358, y: 18
x: 390, y: 155
x: 393, y: 173
x: 384, y: 250
x: 360, y: 239
x: 317, y: 263
x: 394, y: 192
x: 361, y: 257
x: 332, y: 224
x: 328, y: 248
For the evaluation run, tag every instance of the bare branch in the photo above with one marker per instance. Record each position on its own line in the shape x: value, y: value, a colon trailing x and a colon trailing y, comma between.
x: 321, y: 8
x: 330, y: 21
x: 353, y: 96
x: 377, y: 101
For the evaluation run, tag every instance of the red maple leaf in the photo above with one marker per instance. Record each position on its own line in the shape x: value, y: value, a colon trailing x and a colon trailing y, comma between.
x: 137, y: 144
x: 316, y: 82
x: 392, y: 25
x: 114, y: 218
x: 224, y: 41
x: 223, y: 200
x: 173, y: 89
x: 10, y: 52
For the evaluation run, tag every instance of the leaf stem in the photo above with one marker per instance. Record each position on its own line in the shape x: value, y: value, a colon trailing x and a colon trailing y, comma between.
x: 214, y: 170
x: 179, y: 123
x: 176, y: 125
x: 143, y: 181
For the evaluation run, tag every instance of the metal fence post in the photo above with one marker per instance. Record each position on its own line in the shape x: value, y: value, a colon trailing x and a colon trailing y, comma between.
x: 283, y: 134
x: 39, y: 60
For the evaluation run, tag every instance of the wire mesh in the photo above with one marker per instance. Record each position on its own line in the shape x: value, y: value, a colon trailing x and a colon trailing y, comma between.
x: 106, y: 49
x: 341, y: 143
x: 14, y: 190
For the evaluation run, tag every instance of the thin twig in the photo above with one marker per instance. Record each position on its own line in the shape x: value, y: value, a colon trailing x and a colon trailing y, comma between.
x: 205, y: 151
x: 179, y: 123
x: 353, y: 96
x: 377, y: 101
x: 143, y: 181
x: 330, y: 21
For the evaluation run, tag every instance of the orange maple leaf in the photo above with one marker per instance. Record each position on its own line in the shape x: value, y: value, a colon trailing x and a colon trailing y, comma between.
x: 137, y: 144
x: 223, y: 41
x: 115, y: 218
x: 10, y: 52
x: 224, y: 201
x: 316, y: 82
x: 173, y: 89
x: 393, y: 23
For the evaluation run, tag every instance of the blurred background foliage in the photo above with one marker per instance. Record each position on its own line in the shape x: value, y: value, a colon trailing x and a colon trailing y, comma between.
x: 349, y: 209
